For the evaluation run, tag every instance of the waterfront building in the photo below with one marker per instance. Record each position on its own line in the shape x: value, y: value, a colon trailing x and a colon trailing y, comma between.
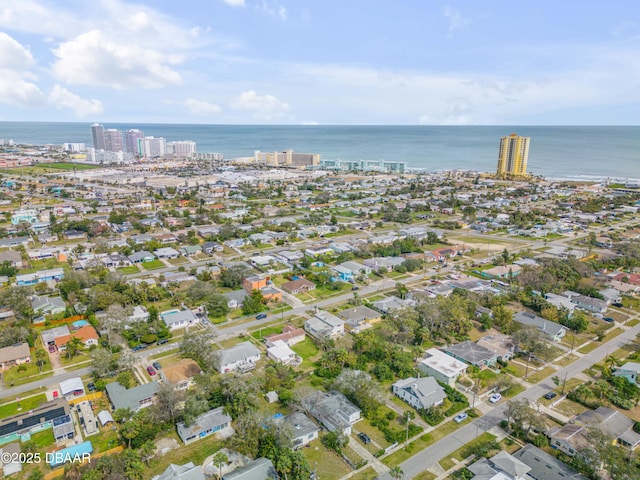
x: 97, y: 133
x: 513, y: 155
x: 183, y: 148
x: 287, y: 158
x: 386, y: 166
x: 113, y: 140
x: 131, y: 138
x: 150, y: 147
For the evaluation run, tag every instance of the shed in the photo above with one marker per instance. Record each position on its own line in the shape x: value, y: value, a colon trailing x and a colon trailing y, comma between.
x: 105, y: 418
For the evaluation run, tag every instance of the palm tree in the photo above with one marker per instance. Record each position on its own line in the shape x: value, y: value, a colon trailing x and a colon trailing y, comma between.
x: 147, y: 450
x: 73, y: 347
x: 40, y: 356
x: 396, y: 472
x: 130, y: 430
x: 73, y: 472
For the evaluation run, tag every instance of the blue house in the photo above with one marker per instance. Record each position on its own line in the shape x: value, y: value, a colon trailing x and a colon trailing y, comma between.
x: 630, y: 371
x: 54, y: 274
x: 343, y: 274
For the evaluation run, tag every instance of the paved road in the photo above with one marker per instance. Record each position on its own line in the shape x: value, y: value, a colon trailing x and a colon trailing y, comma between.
x: 428, y: 457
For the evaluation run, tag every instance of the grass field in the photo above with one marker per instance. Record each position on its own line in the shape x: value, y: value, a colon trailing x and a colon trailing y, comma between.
x: 128, y: 270
x: 153, y: 265
x: 67, y: 166
x: 449, y: 461
x: 327, y: 464
x: 25, y: 405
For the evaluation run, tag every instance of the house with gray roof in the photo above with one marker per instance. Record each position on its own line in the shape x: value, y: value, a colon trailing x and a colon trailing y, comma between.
x: 48, y: 305
x: 388, y: 304
x: 472, y: 353
x: 178, y: 318
x: 49, y: 336
x: 132, y: 398
x: 502, y: 466
x: 360, y: 317
x: 324, y: 325
x: 553, y: 330
x: 15, y: 354
x: 334, y: 411
x: 303, y: 430
x: 258, y: 469
x: 544, y: 466
x: 235, y: 299
x: 188, y: 471
x: 630, y: 371
x: 141, y: 257
x: 204, y: 425
x: 420, y: 393
x: 242, y: 357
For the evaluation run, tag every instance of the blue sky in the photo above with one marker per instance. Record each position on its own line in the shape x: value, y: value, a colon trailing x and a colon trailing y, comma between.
x: 395, y: 62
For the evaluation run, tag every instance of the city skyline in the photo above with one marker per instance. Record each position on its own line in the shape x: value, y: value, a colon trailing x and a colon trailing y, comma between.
x: 305, y: 63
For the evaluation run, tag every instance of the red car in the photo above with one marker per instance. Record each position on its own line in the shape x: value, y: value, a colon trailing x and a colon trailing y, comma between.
x: 151, y: 371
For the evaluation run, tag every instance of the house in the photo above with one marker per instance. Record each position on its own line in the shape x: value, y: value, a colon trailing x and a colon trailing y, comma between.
x: 590, y: 304
x: 87, y: 335
x: 303, y: 430
x: 133, y: 398
x: 441, y: 366
x: 473, y: 354
x: 572, y: 437
x: 236, y: 298
x: 360, y: 317
x: 166, y: 252
x: 544, y: 466
x: 55, y: 413
x: 15, y: 355
x: 14, y: 258
x: 560, y: 302
x: 72, y: 388
x: 501, y: 345
x: 356, y: 268
x: 188, y: 471
x: 211, y: 247
x: 502, y: 466
x: 291, y: 256
x: 254, y: 282
x: 300, y: 285
x: 52, y: 275
x: 141, y: 257
x: 290, y: 335
x: 116, y: 260
x: 342, y: 274
x: 258, y: 469
x: 48, y: 337
x: 271, y: 294
x: 389, y: 304
x: 502, y: 271
x: 420, y: 393
x: 242, y: 357
x: 262, y: 261
x: 383, y: 264
x: 178, y: 318
x: 139, y: 314
x: 324, y: 325
x: 553, y: 330
x: 48, y: 305
x: 189, y: 250
x: 630, y: 371
x: 334, y: 411
x: 280, y: 352
x: 204, y: 425
x: 180, y: 374
x: 611, y: 295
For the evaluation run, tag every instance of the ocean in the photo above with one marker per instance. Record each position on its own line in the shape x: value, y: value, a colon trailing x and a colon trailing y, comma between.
x: 564, y: 152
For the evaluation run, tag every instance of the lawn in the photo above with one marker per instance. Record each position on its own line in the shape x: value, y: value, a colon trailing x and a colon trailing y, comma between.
x: 128, y: 270
x: 67, y: 166
x: 376, y: 435
x: 306, y: 349
x: 153, y: 265
x: 263, y: 332
x: 178, y: 261
x: 367, y: 474
x: 195, y: 452
x: 570, y: 408
x: 399, y: 456
x: 43, y: 439
x: 326, y: 463
x: 449, y: 461
x: 25, y: 404
x: 540, y: 374
x: 14, y: 376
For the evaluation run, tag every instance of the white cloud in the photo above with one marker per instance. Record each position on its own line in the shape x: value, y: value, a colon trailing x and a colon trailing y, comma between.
x: 16, y: 87
x: 63, y: 98
x: 235, y: 3
x: 201, y: 107
x: 274, y: 9
x: 32, y: 17
x: 455, y: 18
x: 13, y: 55
x: 94, y: 58
x: 264, y: 107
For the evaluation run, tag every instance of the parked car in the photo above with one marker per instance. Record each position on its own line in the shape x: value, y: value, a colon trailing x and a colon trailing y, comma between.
x: 355, y: 288
x: 157, y: 365
x: 618, y: 304
x: 550, y: 395
x: 163, y: 341
x: 609, y: 319
x: 151, y: 371
x: 261, y: 316
x: 460, y: 417
x: 495, y: 398
x: 365, y: 438
x: 91, y: 386
x: 137, y: 348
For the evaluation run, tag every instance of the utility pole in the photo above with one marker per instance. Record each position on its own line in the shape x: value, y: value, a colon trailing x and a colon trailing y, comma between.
x: 564, y: 383
x: 526, y: 372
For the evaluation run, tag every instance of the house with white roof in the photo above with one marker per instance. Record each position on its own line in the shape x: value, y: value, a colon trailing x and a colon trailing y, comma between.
x: 178, y: 318
x: 441, y: 366
x: 324, y: 325
x: 280, y: 352
x: 242, y: 357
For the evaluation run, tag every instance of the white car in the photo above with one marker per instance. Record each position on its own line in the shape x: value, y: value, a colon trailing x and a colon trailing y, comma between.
x: 495, y: 398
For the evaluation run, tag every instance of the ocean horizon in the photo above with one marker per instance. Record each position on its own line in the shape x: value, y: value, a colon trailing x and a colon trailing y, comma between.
x: 564, y: 152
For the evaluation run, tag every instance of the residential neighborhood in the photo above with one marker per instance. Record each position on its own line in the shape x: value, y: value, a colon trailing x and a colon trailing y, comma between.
x: 224, y: 319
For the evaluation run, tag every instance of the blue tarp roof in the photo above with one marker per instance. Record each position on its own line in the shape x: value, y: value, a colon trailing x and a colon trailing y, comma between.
x: 70, y: 452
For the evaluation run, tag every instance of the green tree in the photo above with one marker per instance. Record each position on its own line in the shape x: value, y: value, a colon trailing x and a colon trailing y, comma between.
x: 396, y: 472
x: 219, y: 460
x: 130, y: 430
x: 73, y: 347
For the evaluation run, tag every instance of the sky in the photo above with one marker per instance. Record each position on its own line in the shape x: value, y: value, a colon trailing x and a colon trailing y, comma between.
x: 325, y: 62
